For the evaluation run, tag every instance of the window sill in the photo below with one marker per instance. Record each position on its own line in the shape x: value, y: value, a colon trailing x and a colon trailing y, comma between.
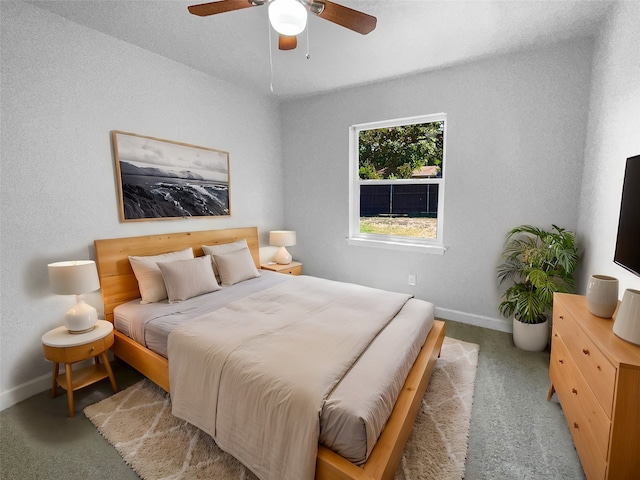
x: 398, y: 246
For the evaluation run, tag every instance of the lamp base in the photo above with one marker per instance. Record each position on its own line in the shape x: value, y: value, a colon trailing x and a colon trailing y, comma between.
x: 82, y: 318
x: 282, y: 257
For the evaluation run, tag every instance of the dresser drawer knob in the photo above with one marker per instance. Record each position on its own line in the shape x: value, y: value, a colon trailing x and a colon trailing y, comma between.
x: 561, y: 361
x: 585, y: 351
x: 574, y: 391
x: 92, y: 349
x: 575, y: 425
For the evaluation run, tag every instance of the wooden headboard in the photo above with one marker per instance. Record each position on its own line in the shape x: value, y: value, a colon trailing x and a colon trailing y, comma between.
x: 117, y: 281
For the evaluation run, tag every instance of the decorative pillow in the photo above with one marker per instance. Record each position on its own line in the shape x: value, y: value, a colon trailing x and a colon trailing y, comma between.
x: 235, y: 267
x: 148, y: 274
x: 188, y: 278
x: 221, y: 250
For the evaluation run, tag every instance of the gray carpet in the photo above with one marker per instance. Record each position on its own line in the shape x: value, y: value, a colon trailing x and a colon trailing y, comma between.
x: 515, y: 433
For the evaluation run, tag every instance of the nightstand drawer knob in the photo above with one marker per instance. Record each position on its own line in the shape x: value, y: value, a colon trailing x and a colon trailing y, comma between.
x: 574, y: 391
x: 585, y: 351
x: 575, y: 425
x: 92, y: 349
x: 561, y: 361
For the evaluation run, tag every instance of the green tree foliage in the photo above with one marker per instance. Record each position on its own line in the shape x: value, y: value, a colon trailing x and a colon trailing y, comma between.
x: 396, y: 152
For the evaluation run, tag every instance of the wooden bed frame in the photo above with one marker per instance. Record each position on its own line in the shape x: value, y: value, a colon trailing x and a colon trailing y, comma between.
x: 119, y: 285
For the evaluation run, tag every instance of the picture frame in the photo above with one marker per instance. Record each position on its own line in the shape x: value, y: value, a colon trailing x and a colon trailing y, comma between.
x: 164, y: 180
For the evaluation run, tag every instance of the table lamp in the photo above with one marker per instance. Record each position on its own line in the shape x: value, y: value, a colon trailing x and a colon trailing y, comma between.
x: 76, y: 277
x: 282, y: 239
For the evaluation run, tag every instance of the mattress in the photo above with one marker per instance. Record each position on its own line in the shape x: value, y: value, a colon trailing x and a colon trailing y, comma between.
x: 355, y: 412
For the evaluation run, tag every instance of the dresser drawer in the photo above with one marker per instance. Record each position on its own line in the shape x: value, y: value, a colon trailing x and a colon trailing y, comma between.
x: 572, y: 389
x: 612, y: 374
x: 599, y: 373
x: 593, y: 465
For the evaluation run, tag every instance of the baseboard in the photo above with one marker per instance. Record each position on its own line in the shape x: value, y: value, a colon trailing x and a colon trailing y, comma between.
x: 491, y: 323
x: 22, y: 392
x: 33, y: 387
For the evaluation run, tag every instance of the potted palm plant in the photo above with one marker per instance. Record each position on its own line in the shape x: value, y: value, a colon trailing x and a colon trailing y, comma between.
x: 537, y: 263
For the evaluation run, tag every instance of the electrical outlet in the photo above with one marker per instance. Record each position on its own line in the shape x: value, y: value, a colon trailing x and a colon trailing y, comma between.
x: 413, y: 279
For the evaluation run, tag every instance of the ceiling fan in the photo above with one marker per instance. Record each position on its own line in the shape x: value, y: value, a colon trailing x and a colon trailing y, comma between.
x: 289, y: 17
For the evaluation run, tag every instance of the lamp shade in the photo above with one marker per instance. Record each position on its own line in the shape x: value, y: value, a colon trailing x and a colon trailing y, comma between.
x: 74, y: 277
x: 287, y: 17
x: 282, y: 238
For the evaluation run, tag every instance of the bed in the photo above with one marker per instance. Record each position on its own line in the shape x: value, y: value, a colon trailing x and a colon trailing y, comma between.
x: 119, y: 286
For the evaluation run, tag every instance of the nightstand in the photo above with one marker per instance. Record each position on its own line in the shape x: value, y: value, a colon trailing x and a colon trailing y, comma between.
x: 60, y: 346
x: 293, y: 268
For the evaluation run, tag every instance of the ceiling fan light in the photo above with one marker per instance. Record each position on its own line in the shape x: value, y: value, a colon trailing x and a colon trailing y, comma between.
x: 287, y: 17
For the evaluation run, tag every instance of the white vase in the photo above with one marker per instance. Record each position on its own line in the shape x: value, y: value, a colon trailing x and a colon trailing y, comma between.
x: 602, y: 295
x: 532, y: 337
x: 627, y: 323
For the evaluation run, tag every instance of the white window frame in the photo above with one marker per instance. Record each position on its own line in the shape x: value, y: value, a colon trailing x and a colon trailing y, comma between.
x: 430, y: 245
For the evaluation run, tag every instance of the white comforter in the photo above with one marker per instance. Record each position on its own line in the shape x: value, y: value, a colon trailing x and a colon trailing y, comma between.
x: 254, y: 374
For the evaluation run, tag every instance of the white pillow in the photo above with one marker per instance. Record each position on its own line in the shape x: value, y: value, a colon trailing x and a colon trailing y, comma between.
x: 235, y: 267
x: 222, y: 249
x: 188, y: 278
x: 150, y: 282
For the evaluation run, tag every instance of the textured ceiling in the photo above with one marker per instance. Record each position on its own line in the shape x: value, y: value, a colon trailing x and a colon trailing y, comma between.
x: 411, y: 36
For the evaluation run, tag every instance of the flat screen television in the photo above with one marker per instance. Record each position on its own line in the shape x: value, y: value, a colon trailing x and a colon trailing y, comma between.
x: 628, y: 242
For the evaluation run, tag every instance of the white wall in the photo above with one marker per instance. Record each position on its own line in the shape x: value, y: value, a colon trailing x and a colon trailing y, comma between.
x: 517, y: 124
x: 515, y: 136
x: 64, y: 88
x: 613, y: 135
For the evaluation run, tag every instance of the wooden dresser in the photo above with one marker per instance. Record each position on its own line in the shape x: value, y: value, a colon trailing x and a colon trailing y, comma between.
x: 597, y: 378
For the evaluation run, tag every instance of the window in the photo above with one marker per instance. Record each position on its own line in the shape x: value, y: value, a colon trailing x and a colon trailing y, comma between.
x: 397, y: 182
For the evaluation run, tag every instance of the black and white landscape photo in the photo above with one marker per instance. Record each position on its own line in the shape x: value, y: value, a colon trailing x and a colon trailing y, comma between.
x: 160, y: 179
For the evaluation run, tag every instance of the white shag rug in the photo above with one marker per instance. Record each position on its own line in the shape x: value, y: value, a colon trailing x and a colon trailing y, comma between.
x: 138, y: 423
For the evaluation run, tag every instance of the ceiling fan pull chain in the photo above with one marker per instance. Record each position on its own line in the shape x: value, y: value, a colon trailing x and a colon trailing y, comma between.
x: 308, y: 54
x: 270, y: 54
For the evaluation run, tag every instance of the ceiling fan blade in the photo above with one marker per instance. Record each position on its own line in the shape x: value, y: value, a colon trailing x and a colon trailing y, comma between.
x: 287, y: 43
x: 206, y: 9
x: 347, y: 17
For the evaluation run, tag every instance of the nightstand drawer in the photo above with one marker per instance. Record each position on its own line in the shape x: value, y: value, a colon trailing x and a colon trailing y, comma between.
x: 79, y: 352
x: 293, y: 271
x: 293, y: 268
x: 599, y: 373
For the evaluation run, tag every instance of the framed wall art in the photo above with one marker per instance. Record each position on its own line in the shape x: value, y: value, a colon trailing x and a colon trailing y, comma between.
x: 162, y: 180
